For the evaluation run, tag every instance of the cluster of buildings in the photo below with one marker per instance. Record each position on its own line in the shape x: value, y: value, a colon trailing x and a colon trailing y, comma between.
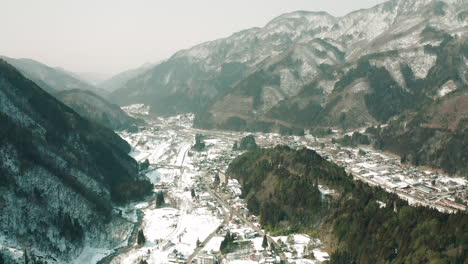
x: 222, y: 196
x: 415, y: 185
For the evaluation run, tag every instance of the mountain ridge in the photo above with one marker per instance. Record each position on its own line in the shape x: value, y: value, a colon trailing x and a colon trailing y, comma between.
x: 308, y: 69
x: 50, y: 79
x: 97, y: 109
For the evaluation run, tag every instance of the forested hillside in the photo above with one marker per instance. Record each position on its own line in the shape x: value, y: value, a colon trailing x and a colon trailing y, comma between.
x: 366, y: 224
x: 60, y: 175
x: 97, y: 109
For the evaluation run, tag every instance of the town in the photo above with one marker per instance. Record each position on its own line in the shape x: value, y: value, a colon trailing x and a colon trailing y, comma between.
x: 202, y: 211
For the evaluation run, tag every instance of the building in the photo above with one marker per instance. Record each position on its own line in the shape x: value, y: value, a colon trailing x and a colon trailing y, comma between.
x: 223, y: 178
x: 424, y: 188
x: 206, y: 259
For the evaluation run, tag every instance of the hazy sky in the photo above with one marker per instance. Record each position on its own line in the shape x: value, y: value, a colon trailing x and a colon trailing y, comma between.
x: 109, y: 36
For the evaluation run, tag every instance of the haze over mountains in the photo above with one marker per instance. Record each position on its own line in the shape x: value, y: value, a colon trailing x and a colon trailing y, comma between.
x: 50, y: 79
x: 119, y: 80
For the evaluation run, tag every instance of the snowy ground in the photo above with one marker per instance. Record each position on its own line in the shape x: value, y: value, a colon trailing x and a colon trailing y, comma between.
x: 299, y: 243
x: 173, y: 230
x: 177, y: 226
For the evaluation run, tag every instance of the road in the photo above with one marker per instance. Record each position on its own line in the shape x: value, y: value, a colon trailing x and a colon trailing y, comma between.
x: 204, y: 242
x: 227, y: 217
x: 247, y: 222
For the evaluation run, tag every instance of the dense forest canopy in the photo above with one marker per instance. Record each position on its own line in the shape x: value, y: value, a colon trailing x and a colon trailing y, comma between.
x: 368, y: 224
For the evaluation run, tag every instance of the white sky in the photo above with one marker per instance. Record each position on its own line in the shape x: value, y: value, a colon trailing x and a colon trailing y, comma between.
x: 109, y: 36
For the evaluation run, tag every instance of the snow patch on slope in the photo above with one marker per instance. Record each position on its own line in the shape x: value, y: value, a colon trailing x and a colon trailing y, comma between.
x: 393, y: 67
x: 420, y: 62
x: 447, y: 88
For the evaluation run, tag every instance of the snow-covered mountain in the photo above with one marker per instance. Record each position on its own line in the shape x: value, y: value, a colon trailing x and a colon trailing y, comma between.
x: 249, y: 73
x: 60, y: 177
x: 308, y: 69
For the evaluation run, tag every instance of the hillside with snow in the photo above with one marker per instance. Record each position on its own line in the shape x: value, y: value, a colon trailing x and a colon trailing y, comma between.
x: 60, y: 177
x: 97, y: 109
x: 311, y: 69
x: 249, y: 73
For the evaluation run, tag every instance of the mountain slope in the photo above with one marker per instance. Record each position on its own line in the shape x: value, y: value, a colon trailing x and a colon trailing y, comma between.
x: 395, y: 71
x: 310, y: 69
x: 50, y: 79
x: 307, y: 44
x: 360, y: 224
x: 97, y: 109
x: 118, y: 81
x: 91, y: 77
x: 60, y: 175
x: 437, y: 135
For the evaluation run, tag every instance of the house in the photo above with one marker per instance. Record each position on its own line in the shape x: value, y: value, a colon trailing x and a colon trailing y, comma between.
x: 223, y: 178
x: 206, y: 259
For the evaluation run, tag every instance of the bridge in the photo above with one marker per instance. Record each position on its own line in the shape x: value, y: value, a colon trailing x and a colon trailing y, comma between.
x: 165, y: 166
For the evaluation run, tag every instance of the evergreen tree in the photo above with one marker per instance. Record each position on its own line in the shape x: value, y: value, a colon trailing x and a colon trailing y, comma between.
x: 199, y: 144
x: 144, y: 165
x: 26, y: 257
x: 160, y: 199
x: 248, y: 143
x: 141, y: 238
x: 265, y: 242
x: 192, y: 192
x: 216, y: 180
x: 404, y: 158
x: 235, y: 147
x: 362, y: 152
x: 227, y: 245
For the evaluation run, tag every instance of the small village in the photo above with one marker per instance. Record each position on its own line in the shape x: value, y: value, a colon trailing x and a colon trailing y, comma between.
x: 202, y: 207
x: 416, y: 185
x: 203, y: 213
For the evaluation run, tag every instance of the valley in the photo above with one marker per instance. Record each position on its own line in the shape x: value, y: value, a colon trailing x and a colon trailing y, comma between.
x: 173, y: 230
x: 311, y: 137
x: 190, y: 227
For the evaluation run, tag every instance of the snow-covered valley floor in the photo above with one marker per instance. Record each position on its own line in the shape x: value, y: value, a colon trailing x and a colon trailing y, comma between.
x: 186, y: 227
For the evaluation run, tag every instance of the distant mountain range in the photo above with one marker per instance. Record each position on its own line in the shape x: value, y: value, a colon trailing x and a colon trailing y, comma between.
x: 308, y: 69
x: 74, y: 90
x: 119, y: 80
x: 87, y: 77
x: 50, y: 79
x: 60, y: 177
x: 58, y: 79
